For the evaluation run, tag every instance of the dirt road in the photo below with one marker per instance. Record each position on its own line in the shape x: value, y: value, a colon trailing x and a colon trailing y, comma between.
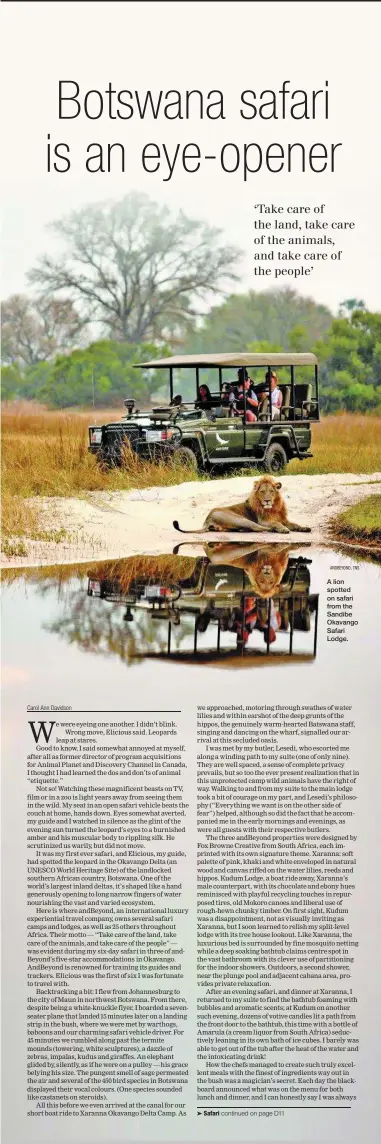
x: 112, y: 525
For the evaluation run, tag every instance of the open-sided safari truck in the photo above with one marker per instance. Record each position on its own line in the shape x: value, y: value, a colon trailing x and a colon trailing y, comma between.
x: 215, y: 616
x: 215, y: 434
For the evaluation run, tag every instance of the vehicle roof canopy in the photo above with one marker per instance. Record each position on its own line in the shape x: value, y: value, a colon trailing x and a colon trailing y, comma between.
x: 229, y: 360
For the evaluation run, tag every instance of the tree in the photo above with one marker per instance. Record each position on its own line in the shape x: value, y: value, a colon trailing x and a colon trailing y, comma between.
x: 350, y: 363
x: 34, y: 330
x: 350, y: 304
x: 104, y: 372
x: 264, y: 347
x: 132, y: 267
x: 84, y: 621
x: 298, y: 341
x: 11, y: 382
x: 267, y: 315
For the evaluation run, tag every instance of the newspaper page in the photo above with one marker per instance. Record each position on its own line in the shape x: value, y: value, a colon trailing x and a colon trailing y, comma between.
x: 191, y: 547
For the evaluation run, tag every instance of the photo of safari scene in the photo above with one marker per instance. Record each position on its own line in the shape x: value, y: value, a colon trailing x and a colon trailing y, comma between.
x: 147, y: 391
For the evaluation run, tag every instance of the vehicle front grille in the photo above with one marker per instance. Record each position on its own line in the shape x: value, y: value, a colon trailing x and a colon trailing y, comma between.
x: 130, y: 434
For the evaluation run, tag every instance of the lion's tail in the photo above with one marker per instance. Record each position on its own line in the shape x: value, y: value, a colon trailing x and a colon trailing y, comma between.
x: 190, y: 531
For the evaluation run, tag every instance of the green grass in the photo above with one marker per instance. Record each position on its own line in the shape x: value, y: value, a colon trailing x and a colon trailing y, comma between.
x: 360, y: 522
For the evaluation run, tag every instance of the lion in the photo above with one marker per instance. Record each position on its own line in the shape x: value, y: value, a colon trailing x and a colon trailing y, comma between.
x: 265, y: 567
x: 263, y: 511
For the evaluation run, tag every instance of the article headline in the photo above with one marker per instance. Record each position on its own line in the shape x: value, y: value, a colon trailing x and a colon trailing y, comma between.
x: 165, y: 159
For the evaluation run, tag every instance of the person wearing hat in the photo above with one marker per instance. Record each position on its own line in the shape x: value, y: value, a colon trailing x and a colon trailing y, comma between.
x: 246, y: 395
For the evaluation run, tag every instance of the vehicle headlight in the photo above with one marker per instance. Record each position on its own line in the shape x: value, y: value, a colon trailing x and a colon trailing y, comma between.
x: 94, y: 588
x: 159, y: 434
x: 156, y: 592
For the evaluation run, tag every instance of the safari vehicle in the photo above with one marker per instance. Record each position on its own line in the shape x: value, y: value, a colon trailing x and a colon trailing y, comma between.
x: 211, y: 616
x: 209, y: 437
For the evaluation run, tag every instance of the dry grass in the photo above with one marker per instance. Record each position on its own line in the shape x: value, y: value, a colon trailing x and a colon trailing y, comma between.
x: 21, y: 519
x: 343, y: 443
x: 45, y: 453
x: 150, y: 569
x: 31, y: 416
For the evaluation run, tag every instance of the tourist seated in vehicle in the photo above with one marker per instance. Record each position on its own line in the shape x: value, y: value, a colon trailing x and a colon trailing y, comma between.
x: 204, y: 400
x: 229, y: 398
x: 276, y: 395
x: 177, y: 404
x: 246, y: 393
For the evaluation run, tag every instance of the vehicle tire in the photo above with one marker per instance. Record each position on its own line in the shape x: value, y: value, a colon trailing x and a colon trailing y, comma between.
x: 188, y: 458
x: 275, y: 459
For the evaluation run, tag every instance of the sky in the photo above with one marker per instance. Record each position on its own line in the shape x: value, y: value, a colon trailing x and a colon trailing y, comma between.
x: 187, y: 46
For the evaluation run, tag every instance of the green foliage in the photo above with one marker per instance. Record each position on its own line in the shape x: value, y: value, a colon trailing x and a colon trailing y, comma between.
x: 266, y: 316
x: 28, y: 383
x: 348, y: 349
x: 350, y: 363
x: 264, y: 347
x: 350, y: 304
x: 104, y: 372
x: 11, y: 381
x: 298, y: 340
